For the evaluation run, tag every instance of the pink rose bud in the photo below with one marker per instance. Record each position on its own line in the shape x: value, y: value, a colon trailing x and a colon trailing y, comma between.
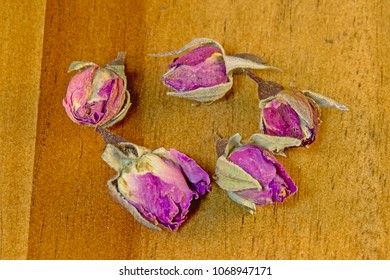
x: 290, y: 113
x: 294, y: 113
x: 251, y: 174
x: 97, y: 96
x: 157, y: 187
x: 205, y: 72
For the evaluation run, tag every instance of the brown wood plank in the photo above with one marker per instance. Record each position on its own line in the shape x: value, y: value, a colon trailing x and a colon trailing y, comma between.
x: 21, y: 37
x: 339, y: 49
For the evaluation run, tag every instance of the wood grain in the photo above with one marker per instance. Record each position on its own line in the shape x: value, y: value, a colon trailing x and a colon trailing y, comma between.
x: 338, y: 49
x: 21, y: 38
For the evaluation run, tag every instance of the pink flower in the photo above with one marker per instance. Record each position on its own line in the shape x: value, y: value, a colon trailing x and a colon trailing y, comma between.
x: 156, y: 187
x: 97, y: 96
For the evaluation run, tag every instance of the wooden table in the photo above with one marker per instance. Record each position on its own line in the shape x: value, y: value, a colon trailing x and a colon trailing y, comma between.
x: 54, y: 200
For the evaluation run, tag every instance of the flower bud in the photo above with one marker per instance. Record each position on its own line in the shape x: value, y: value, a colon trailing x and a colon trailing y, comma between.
x: 97, y: 96
x: 203, y: 67
x: 205, y: 73
x: 156, y: 187
x: 291, y: 114
x: 294, y: 113
x: 250, y: 173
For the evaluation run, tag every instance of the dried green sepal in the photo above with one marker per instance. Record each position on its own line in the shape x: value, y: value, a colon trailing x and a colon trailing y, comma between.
x: 233, y: 142
x: 324, y: 101
x: 248, y: 206
x: 234, y: 62
x: 193, y: 43
x: 118, y: 156
x: 123, y: 111
x: 231, y: 177
x: 274, y: 144
x: 78, y: 65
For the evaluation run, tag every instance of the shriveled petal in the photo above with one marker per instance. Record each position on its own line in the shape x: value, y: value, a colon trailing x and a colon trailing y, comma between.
x: 110, y: 92
x: 258, y: 197
x: 78, y: 93
x: 280, y: 189
x: 196, y: 56
x: 118, y: 197
x: 251, y: 159
x: 196, y: 176
x: 281, y: 179
x: 157, y: 200
x: 158, y: 190
x: 279, y: 119
x: 204, y: 74
x: 300, y: 104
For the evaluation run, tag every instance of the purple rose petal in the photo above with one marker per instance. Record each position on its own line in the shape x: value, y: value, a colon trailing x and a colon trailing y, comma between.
x: 202, y: 67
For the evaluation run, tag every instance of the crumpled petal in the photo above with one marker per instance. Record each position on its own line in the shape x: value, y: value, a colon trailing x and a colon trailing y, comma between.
x: 203, y: 67
x: 198, y: 178
x: 281, y: 120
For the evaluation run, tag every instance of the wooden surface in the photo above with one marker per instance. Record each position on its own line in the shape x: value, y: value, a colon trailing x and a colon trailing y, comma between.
x: 21, y: 38
x: 58, y: 206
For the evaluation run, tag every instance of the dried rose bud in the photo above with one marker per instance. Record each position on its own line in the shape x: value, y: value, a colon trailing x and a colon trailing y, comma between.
x: 250, y: 173
x: 97, y: 96
x: 156, y: 187
x: 294, y: 113
x: 205, y: 73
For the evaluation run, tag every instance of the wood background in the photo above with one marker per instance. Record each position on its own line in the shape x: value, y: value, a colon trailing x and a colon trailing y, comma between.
x: 54, y: 200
